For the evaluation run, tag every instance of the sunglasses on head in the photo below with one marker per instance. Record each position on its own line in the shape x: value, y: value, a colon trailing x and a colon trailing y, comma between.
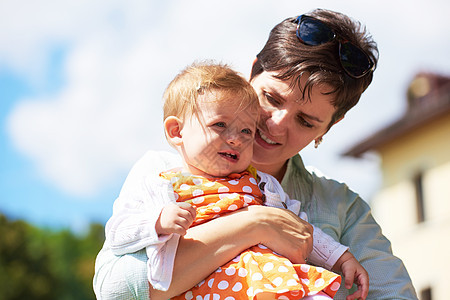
x: 313, y: 32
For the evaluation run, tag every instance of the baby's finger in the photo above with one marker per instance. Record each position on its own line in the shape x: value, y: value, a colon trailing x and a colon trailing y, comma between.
x: 349, y: 279
x: 189, y: 208
x: 184, y: 205
x: 355, y: 295
x: 184, y: 220
x: 180, y: 229
x: 364, y: 286
x: 363, y: 289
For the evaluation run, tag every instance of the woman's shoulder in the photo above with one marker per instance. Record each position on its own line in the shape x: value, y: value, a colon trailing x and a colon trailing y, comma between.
x: 326, y: 183
x: 321, y: 178
x: 319, y: 184
x: 313, y: 176
x: 332, y: 190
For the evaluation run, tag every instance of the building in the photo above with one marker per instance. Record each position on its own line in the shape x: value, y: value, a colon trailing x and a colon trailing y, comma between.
x: 413, y: 204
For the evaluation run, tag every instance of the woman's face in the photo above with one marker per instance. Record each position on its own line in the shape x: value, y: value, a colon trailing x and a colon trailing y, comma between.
x: 287, y: 121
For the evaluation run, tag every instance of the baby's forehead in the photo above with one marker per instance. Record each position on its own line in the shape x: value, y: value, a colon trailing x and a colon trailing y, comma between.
x: 234, y: 98
x: 229, y: 109
x: 226, y: 106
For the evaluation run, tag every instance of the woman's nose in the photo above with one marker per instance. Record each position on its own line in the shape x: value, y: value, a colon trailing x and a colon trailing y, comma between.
x: 277, y: 122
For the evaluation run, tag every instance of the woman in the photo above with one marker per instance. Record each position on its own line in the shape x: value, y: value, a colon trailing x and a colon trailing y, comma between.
x: 312, y: 70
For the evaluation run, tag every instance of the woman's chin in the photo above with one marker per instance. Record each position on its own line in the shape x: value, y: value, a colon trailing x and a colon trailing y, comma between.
x: 263, y: 151
x: 260, y: 158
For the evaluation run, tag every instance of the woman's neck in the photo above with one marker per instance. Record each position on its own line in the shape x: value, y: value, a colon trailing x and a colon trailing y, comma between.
x: 276, y: 171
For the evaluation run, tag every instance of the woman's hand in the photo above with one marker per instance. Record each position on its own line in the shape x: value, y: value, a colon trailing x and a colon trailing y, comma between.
x: 283, y: 232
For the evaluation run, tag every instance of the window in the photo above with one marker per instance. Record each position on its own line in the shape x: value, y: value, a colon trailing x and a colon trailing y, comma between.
x: 425, y: 294
x: 420, y: 205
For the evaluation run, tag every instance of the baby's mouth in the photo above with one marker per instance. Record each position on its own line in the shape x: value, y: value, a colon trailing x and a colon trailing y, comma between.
x: 229, y: 156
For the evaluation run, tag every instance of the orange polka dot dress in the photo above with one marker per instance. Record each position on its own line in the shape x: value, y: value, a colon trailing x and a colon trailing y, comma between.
x: 258, y: 271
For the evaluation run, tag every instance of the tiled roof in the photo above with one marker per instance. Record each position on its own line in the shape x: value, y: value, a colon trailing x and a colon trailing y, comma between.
x: 428, y: 98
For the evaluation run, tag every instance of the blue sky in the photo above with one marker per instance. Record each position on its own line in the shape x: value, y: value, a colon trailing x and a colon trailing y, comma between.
x: 81, y: 83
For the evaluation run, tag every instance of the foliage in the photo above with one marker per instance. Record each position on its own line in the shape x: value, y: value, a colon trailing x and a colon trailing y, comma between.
x: 43, y: 264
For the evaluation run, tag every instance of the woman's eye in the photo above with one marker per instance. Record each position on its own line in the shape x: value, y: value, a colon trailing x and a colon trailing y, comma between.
x: 271, y: 99
x: 303, y: 122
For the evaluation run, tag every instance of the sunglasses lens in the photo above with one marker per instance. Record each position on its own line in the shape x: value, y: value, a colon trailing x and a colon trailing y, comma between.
x: 313, y: 32
x: 354, y: 61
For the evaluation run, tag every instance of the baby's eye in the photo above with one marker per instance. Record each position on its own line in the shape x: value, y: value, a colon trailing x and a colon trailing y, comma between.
x: 247, y: 131
x: 220, y: 124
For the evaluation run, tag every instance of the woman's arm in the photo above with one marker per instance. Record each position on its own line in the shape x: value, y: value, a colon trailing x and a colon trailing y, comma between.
x: 389, y: 278
x: 208, y: 246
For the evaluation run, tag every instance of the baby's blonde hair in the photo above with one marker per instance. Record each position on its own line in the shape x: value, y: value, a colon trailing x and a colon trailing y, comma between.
x: 181, y: 95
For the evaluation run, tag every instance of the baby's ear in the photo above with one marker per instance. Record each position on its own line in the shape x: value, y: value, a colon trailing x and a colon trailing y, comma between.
x: 172, y: 128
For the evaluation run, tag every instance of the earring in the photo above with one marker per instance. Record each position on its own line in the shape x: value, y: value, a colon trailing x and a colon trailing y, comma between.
x: 317, y: 142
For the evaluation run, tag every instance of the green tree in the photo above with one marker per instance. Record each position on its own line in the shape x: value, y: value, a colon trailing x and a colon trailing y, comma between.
x: 43, y: 264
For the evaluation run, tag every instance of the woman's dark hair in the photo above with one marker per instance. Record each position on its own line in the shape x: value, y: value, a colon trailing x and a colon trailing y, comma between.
x: 286, y: 54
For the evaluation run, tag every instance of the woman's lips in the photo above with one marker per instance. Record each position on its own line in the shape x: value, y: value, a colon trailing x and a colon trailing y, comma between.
x: 264, y: 141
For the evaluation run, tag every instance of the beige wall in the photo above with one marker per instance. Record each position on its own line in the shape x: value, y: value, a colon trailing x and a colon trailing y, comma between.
x: 423, y: 148
x: 424, y: 247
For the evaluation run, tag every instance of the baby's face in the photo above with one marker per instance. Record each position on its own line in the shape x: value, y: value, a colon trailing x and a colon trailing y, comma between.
x: 219, y: 139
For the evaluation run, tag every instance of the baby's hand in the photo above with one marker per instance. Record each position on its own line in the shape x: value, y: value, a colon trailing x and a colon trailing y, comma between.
x: 353, y: 273
x: 175, y: 218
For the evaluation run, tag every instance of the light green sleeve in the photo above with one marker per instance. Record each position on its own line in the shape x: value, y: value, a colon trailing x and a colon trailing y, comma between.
x: 341, y: 213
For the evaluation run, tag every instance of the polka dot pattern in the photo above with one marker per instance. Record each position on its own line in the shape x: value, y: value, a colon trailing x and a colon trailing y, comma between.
x: 244, y: 280
x: 213, y: 197
x: 257, y: 270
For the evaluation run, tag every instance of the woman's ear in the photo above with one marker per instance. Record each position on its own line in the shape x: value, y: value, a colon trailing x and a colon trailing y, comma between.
x: 172, y: 128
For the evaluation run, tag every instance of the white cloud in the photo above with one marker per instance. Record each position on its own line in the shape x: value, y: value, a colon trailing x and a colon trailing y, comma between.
x: 120, y: 55
x: 96, y: 125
